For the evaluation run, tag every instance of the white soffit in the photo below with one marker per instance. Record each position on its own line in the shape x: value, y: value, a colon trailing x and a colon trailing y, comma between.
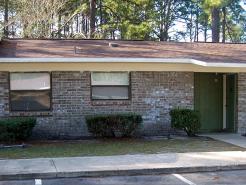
x: 123, y: 60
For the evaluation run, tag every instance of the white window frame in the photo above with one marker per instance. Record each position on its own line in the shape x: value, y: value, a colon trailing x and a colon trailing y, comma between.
x: 128, y: 86
x: 48, y: 90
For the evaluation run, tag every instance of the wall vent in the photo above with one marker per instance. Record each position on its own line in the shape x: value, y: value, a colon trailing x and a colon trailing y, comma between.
x: 78, y: 50
x: 113, y: 44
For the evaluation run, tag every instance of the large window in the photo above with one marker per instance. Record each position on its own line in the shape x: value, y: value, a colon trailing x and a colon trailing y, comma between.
x: 110, y: 86
x: 30, y: 91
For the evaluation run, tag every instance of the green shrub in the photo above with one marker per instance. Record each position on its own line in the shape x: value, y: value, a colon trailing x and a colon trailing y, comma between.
x: 114, y: 125
x: 185, y: 119
x: 16, y: 129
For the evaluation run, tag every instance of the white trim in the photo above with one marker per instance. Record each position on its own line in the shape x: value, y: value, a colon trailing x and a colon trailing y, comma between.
x: 99, y: 60
x: 124, y: 60
x: 224, y: 101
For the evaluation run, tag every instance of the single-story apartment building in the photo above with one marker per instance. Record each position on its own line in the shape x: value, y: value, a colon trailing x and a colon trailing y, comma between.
x: 62, y: 81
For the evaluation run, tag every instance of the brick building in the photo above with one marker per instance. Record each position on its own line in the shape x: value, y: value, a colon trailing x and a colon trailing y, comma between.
x: 61, y: 81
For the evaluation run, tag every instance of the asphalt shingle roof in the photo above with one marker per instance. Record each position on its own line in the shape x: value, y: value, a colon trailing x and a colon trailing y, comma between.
x: 207, y: 52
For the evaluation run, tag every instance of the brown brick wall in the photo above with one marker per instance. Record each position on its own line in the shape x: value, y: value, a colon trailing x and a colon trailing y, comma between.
x: 242, y: 103
x: 4, y: 94
x: 153, y: 94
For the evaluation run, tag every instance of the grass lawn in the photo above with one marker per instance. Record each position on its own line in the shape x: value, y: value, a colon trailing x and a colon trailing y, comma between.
x: 114, y: 147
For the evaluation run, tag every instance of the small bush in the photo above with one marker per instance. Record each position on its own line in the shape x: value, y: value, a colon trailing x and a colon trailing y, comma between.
x: 185, y: 119
x: 16, y: 129
x: 115, y: 125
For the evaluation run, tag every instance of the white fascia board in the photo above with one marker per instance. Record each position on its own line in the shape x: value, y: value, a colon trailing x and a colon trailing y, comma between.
x: 217, y: 64
x: 120, y: 60
x: 96, y: 60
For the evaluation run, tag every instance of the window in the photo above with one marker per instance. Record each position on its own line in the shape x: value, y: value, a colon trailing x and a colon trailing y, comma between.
x: 110, y: 86
x: 30, y: 91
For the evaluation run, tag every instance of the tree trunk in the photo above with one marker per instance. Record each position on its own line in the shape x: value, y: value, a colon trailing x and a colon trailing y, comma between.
x: 92, y: 18
x: 77, y: 19
x: 86, y: 27
x: 165, y: 17
x: 206, y: 28
x: 59, y: 26
x: 215, y: 25
x: 205, y: 34
x: 6, y: 18
x: 100, y: 9
x: 77, y: 24
x: 161, y: 35
x: 191, y: 26
x: 224, y: 25
x: 25, y: 31
x: 197, y: 23
x: 72, y: 31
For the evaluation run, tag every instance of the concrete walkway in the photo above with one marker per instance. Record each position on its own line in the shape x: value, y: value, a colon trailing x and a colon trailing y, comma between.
x: 121, y: 165
x: 235, y: 139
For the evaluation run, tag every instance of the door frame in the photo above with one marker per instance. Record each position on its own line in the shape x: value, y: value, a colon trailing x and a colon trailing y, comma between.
x: 232, y: 129
x: 224, y: 102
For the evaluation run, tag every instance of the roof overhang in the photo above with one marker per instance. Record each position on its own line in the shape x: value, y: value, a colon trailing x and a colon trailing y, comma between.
x: 117, y: 64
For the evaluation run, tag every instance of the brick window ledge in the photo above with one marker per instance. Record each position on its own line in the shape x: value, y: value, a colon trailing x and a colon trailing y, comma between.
x: 31, y: 113
x: 110, y: 102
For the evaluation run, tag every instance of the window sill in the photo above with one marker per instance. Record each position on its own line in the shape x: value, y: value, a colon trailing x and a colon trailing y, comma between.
x: 110, y: 102
x: 30, y: 113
